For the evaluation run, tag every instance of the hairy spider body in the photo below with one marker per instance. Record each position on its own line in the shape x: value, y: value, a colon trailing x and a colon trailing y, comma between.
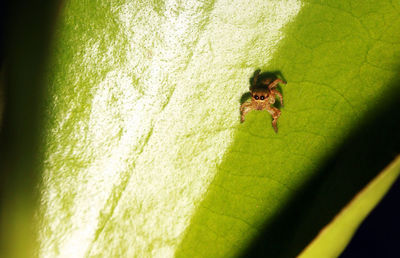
x: 263, y: 97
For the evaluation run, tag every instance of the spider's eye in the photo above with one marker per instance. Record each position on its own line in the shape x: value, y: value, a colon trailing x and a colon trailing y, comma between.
x: 262, y: 97
x: 256, y: 97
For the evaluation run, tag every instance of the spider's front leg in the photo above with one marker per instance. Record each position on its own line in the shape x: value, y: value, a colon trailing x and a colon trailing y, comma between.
x: 244, y: 109
x: 275, y: 113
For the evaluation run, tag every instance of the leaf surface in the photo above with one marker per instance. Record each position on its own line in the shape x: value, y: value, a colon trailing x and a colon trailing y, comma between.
x: 144, y: 152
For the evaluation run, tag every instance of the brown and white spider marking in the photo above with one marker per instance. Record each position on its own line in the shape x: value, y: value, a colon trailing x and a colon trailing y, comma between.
x: 263, y: 97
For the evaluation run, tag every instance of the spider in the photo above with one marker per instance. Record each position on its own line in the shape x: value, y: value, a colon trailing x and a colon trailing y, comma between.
x: 263, y: 97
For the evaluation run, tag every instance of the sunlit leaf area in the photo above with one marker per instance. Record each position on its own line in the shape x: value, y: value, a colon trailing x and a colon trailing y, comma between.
x: 121, y: 133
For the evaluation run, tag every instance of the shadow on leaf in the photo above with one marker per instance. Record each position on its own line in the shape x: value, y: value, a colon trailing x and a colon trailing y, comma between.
x: 372, y: 145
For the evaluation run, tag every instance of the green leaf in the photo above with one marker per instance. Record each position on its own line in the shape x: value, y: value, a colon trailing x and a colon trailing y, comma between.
x: 341, y: 229
x: 339, y: 66
x: 144, y: 153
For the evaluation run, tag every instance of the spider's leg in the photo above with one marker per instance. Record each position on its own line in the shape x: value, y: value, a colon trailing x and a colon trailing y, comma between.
x: 244, y: 109
x: 275, y: 92
x: 275, y: 113
x: 275, y: 83
x: 256, y: 74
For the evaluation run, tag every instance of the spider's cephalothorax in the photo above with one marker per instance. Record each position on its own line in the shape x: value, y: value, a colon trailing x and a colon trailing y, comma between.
x: 263, y: 96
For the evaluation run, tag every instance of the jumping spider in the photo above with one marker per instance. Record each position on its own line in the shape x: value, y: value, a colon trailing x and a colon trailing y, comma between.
x: 263, y: 96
